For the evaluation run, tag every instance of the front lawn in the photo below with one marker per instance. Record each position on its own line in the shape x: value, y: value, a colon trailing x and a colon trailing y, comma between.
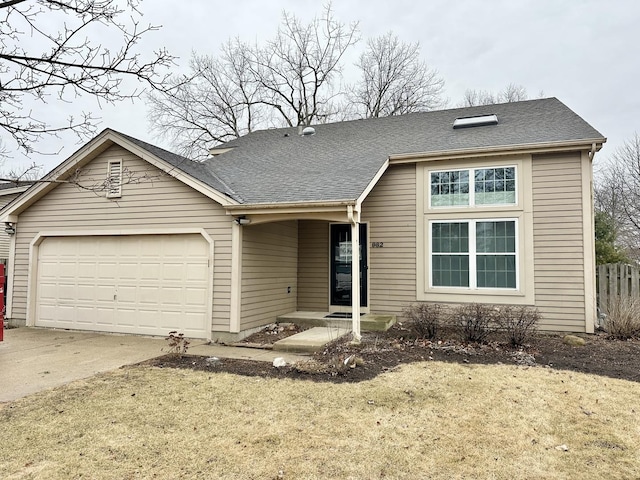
x: 422, y: 420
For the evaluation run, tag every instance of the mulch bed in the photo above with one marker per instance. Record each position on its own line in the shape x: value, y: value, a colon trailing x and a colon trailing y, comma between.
x: 270, y: 334
x: 341, y: 361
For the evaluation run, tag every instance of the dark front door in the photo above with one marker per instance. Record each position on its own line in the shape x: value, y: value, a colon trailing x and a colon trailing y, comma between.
x: 341, y: 265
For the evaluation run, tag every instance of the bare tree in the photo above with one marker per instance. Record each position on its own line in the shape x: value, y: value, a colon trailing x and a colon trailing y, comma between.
x: 511, y: 93
x: 99, y: 184
x: 221, y: 102
x: 39, y: 64
x: 297, y: 70
x: 291, y: 80
x: 22, y: 176
x: 395, y: 80
x: 617, y: 194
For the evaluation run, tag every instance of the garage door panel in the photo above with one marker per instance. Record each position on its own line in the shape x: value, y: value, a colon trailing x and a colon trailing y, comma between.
x: 128, y: 271
x: 130, y: 284
x: 101, y: 293
x: 174, y: 272
x: 106, y: 271
x: 48, y: 291
x: 66, y: 314
x: 148, y: 318
x: 66, y: 292
x: 84, y: 315
x: 191, y: 322
x: 196, y: 271
x: 48, y: 270
x: 148, y: 295
x: 125, y: 316
x: 172, y: 296
x: 86, y: 270
x: 127, y: 295
x: 194, y: 297
x: 104, y: 315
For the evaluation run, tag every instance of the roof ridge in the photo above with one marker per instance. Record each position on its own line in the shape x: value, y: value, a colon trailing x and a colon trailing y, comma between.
x: 404, y: 115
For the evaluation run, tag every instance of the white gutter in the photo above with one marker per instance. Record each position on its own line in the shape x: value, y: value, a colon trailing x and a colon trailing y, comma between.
x: 504, y: 149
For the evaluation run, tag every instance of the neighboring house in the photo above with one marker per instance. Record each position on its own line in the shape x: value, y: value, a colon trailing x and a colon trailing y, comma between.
x: 486, y: 204
x: 8, y: 192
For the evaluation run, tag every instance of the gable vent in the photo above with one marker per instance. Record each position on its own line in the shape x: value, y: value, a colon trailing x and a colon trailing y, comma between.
x: 477, y: 121
x: 114, y: 179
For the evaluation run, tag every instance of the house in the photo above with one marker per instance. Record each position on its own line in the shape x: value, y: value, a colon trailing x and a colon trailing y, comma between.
x: 8, y: 192
x: 487, y: 204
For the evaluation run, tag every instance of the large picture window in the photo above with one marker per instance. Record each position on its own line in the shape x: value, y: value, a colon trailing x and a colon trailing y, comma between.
x: 473, y: 187
x: 474, y: 254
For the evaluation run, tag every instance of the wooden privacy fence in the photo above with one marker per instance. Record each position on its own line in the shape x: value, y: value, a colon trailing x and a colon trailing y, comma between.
x: 616, y: 279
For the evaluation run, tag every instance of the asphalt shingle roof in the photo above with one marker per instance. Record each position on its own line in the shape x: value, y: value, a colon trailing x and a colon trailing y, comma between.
x: 341, y: 159
x: 197, y: 170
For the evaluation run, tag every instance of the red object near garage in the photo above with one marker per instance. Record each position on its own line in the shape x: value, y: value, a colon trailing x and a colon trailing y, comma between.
x: 2, y: 302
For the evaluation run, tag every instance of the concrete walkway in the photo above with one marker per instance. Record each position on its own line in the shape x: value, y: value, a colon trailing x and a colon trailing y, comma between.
x: 312, y: 340
x: 34, y: 359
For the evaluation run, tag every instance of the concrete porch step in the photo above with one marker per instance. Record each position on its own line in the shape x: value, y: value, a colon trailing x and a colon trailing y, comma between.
x: 369, y: 322
x: 310, y: 340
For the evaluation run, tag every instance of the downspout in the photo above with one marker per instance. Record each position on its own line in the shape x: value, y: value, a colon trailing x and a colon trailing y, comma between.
x: 591, y: 304
x: 354, y: 218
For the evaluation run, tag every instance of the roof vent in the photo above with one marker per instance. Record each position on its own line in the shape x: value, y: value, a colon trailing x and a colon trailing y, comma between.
x: 308, y: 131
x: 477, y: 121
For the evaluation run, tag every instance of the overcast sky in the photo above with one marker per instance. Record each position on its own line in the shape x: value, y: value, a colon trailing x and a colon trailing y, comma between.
x: 585, y: 52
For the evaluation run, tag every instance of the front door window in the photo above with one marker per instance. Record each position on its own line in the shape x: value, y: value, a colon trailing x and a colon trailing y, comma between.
x: 341, y: 265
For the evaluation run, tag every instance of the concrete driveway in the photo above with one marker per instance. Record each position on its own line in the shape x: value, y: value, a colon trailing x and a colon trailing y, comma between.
x: 33, y: 359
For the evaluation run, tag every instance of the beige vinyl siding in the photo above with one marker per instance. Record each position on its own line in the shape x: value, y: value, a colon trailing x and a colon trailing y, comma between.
x: 313, y: 266
x: 390, y: 211
x: 558, y: 241
x: 269, y: 269
x: 4, y: 238
x: 157, y: 202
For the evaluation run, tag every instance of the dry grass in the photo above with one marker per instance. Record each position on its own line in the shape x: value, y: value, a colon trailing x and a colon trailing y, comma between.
x: 623, y: 317
x: 427, y: 420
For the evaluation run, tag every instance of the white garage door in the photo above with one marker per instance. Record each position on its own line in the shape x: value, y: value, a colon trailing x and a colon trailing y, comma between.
x: 142, y: 284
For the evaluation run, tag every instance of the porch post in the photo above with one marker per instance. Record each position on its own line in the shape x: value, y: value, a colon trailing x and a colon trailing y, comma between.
x: 236, y: 278
x: 355, y: 280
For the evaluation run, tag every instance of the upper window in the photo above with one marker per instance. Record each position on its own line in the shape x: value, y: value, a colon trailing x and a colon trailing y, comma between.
x: 114, y: 179
x: 473, y: 187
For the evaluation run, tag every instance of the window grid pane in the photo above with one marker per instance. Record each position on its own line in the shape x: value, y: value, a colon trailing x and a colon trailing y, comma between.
x: 450, y: 270
x: 495, y: 186
x: 450, y: 188
x: 496, y: 271
x: 450, y: 237
x: 496, y: 237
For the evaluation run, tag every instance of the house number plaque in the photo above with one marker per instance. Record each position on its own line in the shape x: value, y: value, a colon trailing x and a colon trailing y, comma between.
x: 377, y: 244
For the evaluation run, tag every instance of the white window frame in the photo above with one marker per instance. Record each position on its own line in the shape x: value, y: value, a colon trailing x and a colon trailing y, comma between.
x: 111, y: 191
x: 473, y: 273
x: 472, y: 187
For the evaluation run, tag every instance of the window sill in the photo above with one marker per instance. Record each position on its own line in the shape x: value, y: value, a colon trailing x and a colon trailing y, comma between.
x: 457, y: 295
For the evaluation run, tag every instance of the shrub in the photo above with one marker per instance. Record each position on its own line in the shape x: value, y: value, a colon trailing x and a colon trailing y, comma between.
x: 623, y: 317
x: 424, y: 319
x: 178, y: 345
x: 518, y: 323
x: 474, y: 322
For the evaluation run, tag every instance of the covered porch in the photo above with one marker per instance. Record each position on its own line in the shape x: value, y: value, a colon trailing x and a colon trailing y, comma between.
x: 295, y: 266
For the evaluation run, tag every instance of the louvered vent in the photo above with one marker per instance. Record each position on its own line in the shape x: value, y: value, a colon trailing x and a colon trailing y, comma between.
x: 114, y: 179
